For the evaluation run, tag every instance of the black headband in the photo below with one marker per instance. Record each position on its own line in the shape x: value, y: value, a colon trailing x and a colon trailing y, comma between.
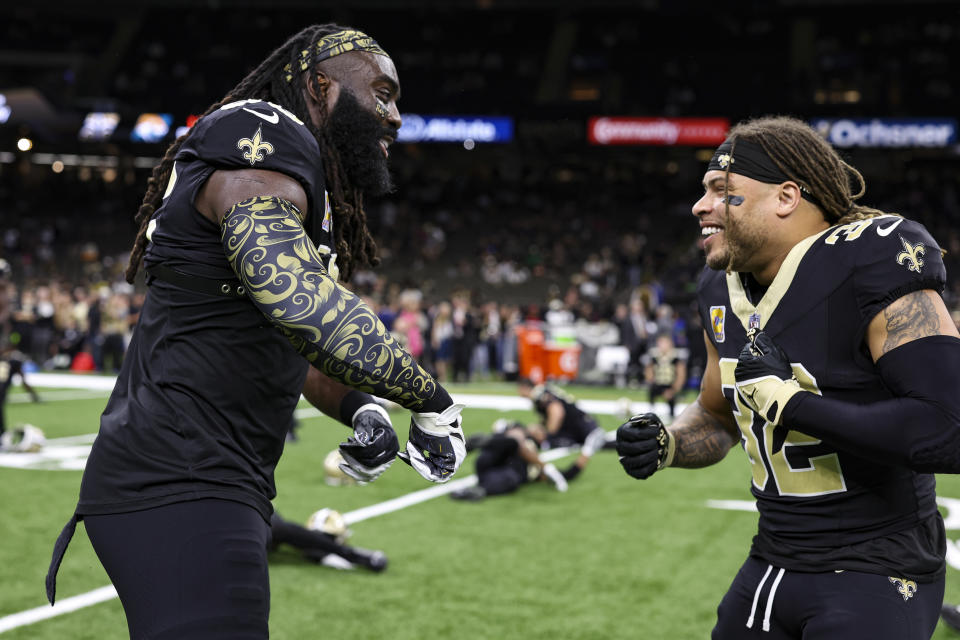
x: 750, y: 160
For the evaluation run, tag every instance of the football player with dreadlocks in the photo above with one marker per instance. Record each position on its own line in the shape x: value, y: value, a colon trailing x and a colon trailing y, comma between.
x: 248, y: 225
x: 833, y: 360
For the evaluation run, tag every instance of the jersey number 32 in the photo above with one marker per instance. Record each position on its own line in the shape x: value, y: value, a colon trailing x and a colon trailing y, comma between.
x: 784, y: 462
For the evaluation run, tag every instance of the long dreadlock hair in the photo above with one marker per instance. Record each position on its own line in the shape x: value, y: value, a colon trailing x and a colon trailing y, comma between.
x: 809, y: 160
x: 355, y: 246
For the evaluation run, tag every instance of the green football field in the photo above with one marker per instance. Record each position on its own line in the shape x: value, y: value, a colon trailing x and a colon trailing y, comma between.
x: 611, y: 558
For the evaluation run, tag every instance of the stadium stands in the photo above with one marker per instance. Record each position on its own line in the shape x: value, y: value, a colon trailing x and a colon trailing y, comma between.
x: 546, y: 216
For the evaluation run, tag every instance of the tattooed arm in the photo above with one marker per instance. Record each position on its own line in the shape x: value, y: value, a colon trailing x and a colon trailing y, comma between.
x: 915, y: 315
x: 261, y: 221
x: 699, y: 437
x: 706, y: 430
x: 916, y: 348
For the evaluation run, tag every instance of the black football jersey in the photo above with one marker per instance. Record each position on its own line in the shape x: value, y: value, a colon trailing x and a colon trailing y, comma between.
x: 576, y: 425
x: 208, y: 385
x: 248, y: 134
x: 10, y: 366
x: 821, y: 508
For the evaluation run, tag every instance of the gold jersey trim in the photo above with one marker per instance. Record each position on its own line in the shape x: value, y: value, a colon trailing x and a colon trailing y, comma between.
x: 739, y: 302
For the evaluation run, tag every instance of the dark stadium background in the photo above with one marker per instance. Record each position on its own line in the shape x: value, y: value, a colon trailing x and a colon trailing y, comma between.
x: 597, y: 239
x: 585, y: 226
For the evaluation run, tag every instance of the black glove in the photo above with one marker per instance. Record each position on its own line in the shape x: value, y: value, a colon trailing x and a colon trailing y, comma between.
x: 644, y: 445
x: 373, y: 446
x: 764, y: 377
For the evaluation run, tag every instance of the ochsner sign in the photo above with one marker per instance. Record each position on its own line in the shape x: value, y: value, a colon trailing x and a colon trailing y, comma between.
x: 885, y: 132
x: 657, y: 131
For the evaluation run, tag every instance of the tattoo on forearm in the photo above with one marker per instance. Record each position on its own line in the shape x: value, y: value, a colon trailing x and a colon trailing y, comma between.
x: 912, y: 316
x: 701, y: 439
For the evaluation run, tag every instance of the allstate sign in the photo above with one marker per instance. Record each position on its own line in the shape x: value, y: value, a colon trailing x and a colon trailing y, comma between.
x: 454, y: 129
x: 886, y: 132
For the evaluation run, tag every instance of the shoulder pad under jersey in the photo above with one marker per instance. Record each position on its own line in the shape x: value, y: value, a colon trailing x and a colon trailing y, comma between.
x: 890, y: 256
x: 255, y: 134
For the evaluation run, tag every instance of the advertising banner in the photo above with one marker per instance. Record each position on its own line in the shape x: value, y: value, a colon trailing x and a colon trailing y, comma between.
x: 418, y: 128
x: 657, y: 131
x: 888, y: 132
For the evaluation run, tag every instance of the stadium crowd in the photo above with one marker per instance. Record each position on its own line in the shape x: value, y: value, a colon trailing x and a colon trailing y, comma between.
x: 462, y: 266
x: 474, y: 243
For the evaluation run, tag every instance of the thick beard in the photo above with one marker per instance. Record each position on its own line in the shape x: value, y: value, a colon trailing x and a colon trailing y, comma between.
x: 743, y: 243
x: 719, y: 262
x: 356, y: 133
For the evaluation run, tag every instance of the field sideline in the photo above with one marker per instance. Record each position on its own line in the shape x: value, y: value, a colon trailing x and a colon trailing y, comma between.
x: 611, y: 558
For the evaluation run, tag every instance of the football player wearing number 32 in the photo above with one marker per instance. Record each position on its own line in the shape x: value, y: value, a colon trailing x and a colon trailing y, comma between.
x: 832, y: 359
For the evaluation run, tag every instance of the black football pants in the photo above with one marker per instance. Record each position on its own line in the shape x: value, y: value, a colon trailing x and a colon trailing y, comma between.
x: 768, y: 603
x: 500, y: 469
x: 188, y: 570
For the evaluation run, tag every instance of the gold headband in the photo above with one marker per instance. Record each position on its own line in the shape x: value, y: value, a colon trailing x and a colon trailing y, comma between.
x: 333, y: 45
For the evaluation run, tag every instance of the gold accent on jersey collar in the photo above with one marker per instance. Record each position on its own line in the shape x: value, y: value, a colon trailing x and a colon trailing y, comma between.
x: 739, y: 302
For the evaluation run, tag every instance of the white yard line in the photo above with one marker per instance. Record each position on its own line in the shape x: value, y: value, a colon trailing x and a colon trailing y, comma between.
x: 733, y: 505
x: 66, y: 605
x: 71, y: 381
x: 55, y: 395
x: 410, y: 499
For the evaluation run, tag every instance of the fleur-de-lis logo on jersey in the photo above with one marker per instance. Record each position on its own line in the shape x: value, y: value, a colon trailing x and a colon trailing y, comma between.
x: 911, y: 255
x: 905, y: 587
x: 725, y: 160
x: 257, y: 147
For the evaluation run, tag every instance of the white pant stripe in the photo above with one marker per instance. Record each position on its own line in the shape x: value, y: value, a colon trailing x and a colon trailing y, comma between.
x: 773, y: 592
x: 756, y: 596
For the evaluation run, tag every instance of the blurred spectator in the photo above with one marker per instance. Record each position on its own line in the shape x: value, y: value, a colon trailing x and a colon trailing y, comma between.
x: 410, y: 323
x: 465, y: 334
x: 441, y: 339
x: 115, y: 327
x: 489, y: 350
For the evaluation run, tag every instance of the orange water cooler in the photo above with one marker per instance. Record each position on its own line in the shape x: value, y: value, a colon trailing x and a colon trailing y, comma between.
x: 561, y: 361
x: 530, y: 352
x: 541, y: 359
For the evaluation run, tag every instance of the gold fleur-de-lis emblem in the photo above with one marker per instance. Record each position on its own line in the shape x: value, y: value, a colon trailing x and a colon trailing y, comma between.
x: 724, y: 160
x: 257, y: 147
x: 905, y: 587
x: 911, y: 255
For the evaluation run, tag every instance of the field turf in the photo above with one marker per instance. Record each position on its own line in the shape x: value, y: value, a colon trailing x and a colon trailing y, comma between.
x: 611, y: 558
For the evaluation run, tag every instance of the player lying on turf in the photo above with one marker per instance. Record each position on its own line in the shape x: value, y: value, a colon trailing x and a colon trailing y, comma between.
x: 508, y: 459
x: 324, y: 541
